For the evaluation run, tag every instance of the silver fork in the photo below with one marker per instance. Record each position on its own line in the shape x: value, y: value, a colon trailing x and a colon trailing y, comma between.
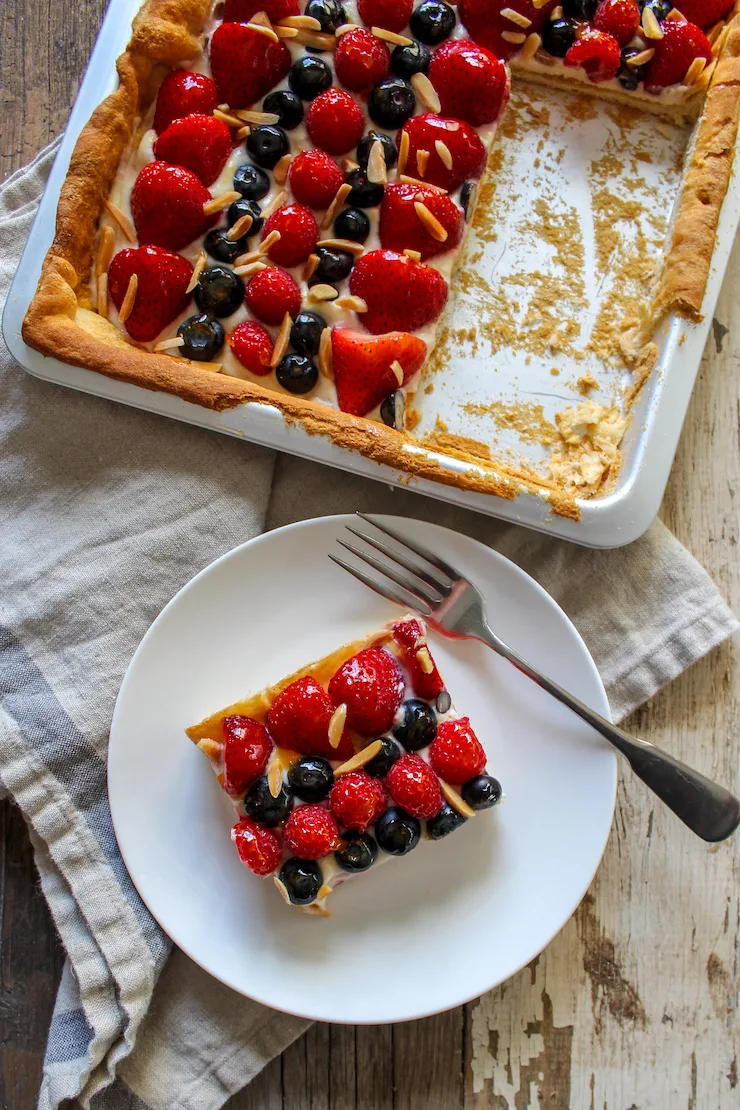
x: 455, y: 607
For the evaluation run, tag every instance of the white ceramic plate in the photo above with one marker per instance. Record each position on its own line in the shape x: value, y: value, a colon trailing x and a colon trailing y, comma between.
x: 423, y: 933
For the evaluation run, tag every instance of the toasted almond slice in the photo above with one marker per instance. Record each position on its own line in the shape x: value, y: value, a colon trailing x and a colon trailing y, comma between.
x: 651, y: 29
x: 280, y: 172
x: 403, y: 153
x: 286, y: 32
x: 241, y: 227
x: 275, y: 777
x: 277, y: 201
x: 103, y: 295
x: 261, y: 17
x: 695, y: 70
x: 248, y: 116
x: 323, y: 292
x: 430, y: 222
x: 281, y: 342
x: 674, y: 13
x: 531, y: 46
x: 452, y: 798
x: 515, y: 37
x: 123, y: 221
x: 416, y: 181
x: 243, y: 132
x: 227, y: 118
x: 423, y: 658
x: 326, y: 362
x: 444, y: 153
x: 351, y: 303
x: 391, y: 36
x: 398, y: 371
x: 269, y: 241
x: 359, y: 759
x: 266, y: 31
x: 301, y: 22
x: 516, y: 17
x: 341, y: 195
x: 556, y: 14
x: 413, y: 255
x: 344, y: 29
x: 311, y: 263
x: 172, y: 344
x: 706, y: 75
x: 336, y: 725
x: 250, y: 269
x: 316, y: 39
x: 128, y: 301
x: 324, y: 892
x: 422, y: 161
x: 642, y: 58
x: 219, y: 203
x: 106, y: 246
x: 248, y: 258
x: 539, y: 3
x: 348, y: 245
x: 426, y: 91
x: 209, y: 747
x: 376, y: 168
x: 283, y: 889
x: 198, y: 268
x: 349, y: 166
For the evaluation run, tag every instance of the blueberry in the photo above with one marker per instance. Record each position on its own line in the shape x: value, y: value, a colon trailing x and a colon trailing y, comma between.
x: 630, y: 76
x: 467, y: 197
x: 391, y: 103
x: 309, y: 76
x: 432, y: 22
x: 244, y: 207
x: 558, y: 36
x: 397, y: 832
x: 219, y: 291
x: 286, y: 106
x: 393, y: 410
x: 380, y: 765
x: 297, y: 374
x: 267, y: 144
x: 329, y: 13
x: 252, y: 182
x: 418, y: 727
x: 408, y: 60
x: 302, y: 880
x: 305, y: 334
x: 311, y: 778
x: 352, y: 224
x: 582, y: 10
x: 364, y: 146
x: 204, y: 338
x: 446, y: 821
x: 334, y: 266
x: 363, y: 193
x: 444, y: 701
x: 222, y: 248
x: 482, y: 792
x: 260, y: 805
x: 358, y: 852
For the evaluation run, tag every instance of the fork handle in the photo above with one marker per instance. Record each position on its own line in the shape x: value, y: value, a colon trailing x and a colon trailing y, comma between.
x: 708, y: 809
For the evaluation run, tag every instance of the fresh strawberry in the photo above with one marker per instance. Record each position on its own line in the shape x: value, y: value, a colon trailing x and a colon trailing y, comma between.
x: 597, y: 53
x: 486, y: 24
x: 162, y: 278
x: 681, y: 44
x: 414, y: 787
x: 361, y: 60
x: 334, y: 121
x: 705, y: 13
x: 271, y: 293
x: 299, y: 719
x: 252, y: 347
x: 246, y: 64
x: 456, y: 753
x: 472, y: 83
x: 259, y: 848
x: 241, y: 11
x: 401, y: 227
x: 362, y: 366
x: 311, y: 832
x: 182, y: 93
x: 200, y: 143
x: 357, y: 800
x: 393, y: 15
x: 299, y: 234
x: 401, y: 295
x: 315, y: 178
x: 619, y: 18
x: 371, y: 685
x: 247, y: 749
x: 167, y: 206
x: 425, y: 678
x: 466, y: 150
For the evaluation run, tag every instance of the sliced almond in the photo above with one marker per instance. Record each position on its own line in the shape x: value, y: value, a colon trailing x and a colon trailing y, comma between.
x: 679, y: 17
x: 283, y: 889
x: 326, y: 361
x: 103, y: 295
x: 277, y: 201
x: 413, y: 255
x: 341, y: 195
x: 349, y: 166
x: 269, y: 241
x: 209, y: 747
x: 422, y: 161
x: 323, y: 292
x: 263, y: 30
x: 246, y: 259
x: 243, y: 132
x: 516, y: 17
x: 531, y: 46
x: 261, y: 17
x: 324, y: 892
x: 360, y: 759
x: 651, y: 29
x: 301, y: 22
x: 123, y: 221
x: 376, y: 168
x: 316, y: 39
x: 430, y: 222
x: 311, y: 263
x: 444, y: 153
x: 275, y: 777
x: 398, y: 371
x: 336, y: 725
x: 227, y: 118
x: 219, y: 203
x: 391, y: 36
x: 556, y: 14
x: 424, y: 659
x: 258, y: 118
x: 514, y: 37
x: 403, y: 153
x: 416, y: 181
x: 198, y: 268
x: 348, y: 245
x: 173, y: 344
x: 280, y: 172
x: 426, y: 91
x: 250, y: 269
x: 539, y: 3
x: 286, y: 32
x: 241, y: 227
x: 695, y: 70
x: 281, y: 342
x: 351, y: 304
x: 128, y: 301
x: 344, y: 29
x: 106, y: 246
x: 642, y: 58
x: 452, y: 798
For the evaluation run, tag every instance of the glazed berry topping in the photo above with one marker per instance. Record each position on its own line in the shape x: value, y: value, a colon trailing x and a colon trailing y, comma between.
x: 380, y: 765
x: 401, y: 295
x: 182, y: 93
x: 582, y: 10
x: 252, y: 347
x: 414, y: 786
x: 363, y: 193
x: 258, y: 848
x: 362, y: 366
x: 482, y: 792
x: 329, y: 13
x: 408, y: 60
x: 596, y: 53
x: 309, y: 76
x: 252, y: 182
x: 334, y: 121
x: 219, y: 291
x: 267, y: 144
x: 244, y: 207
x: 352, y: 224
x: 558, y: 36
x: 315, y: 178
x: 397, y: 832
x: 472, y: 83
x: 241, y: 11
x: 299, y: 719
x: 203, y: 337
x: 286, y: 106
x: 425, y: 680
x: 297, y: 374
x: 371, y: 685
x: 271, y: 293
x: 305, y: 334
x: 162, y: 277
x: 200, y: 143
x: 393, y: 15
x: 390, y: 150
x: 167, y: 206
x: 361, y: 60
x: 299, y: 234
x: 456, y: 753
x: 311, y: 832
x: 220, y: 247
x: 681, y: 44
x: 260, y: 805
x: 432, y: 22
x: 418, y: 726
x: 391, y: 103
x: 357, y: 800
x: 393, y: 410
x: 402, y: 228
x: 246, y: 751
x: 619, y: 18
x: 358, y: 852
x: 446, y: 821
x: 466, y: 150
x: 301, y: 879
x: 311, y: 778
x: 245, y: 64
x: 334, y: 266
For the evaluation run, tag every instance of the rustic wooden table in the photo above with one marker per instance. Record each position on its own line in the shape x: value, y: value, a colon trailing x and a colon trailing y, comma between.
x: 634, y: 1005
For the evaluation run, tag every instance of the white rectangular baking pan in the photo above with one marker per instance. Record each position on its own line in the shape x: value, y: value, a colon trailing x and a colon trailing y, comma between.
x: 651, y: 438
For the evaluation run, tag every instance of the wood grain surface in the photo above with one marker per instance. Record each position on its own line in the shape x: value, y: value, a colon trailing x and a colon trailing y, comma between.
x: 634, y: 1005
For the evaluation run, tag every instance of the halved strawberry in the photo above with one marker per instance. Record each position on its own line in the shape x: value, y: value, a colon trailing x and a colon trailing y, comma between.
x: 471, y: 82
x: 246, y: 751
x: 362, y: 366
x: 401, y: 227
x: 299, y: 719
x: 466, y: 151
x: 200, y: 143
x: 597, y: 53
x: 246, y: 64
x: 241, y: 11
x: 167, y: 206
x: 371, y: 685
x: 425, y: 678
x: 162, y: 279
x: 180, y: 94
x: 401, y: 295
x: 681, y: 44
x: 299, y: 234
x: 361, y: 60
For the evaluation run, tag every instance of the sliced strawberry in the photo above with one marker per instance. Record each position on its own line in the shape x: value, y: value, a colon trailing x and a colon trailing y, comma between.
x: 167, y: 206
x: 681, y: 44
x: 334, y: 121
x: 362, y: 366
x: 401, y: 226
x: 315, y: 178
x: 271, y: 293
x: 299, y: 234
x: 425, y: 678
x: 371, y: 685
x: 393, y: 15
x: 619, y: 18
x: 247, y: 749
x: 246, y: 64
x: 259, y: 848
x: 466, y: 150
x: 182, y: 93
x: 241, y: 11
x: 361, y: 60
x: 472, y: 83
x: 252, y: 346
x: 705, y: 13
x: 198, y: 142
x: 162, y: 277
x: 299, y: 719
x: 486, y: 24
x: 401, y: 295
x: 597, y: 53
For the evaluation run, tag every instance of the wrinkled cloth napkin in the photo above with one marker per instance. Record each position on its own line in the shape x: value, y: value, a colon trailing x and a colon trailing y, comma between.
x: 105, y: 512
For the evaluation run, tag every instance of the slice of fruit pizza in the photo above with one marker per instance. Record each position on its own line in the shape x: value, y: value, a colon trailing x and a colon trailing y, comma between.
x: 346, y: 763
